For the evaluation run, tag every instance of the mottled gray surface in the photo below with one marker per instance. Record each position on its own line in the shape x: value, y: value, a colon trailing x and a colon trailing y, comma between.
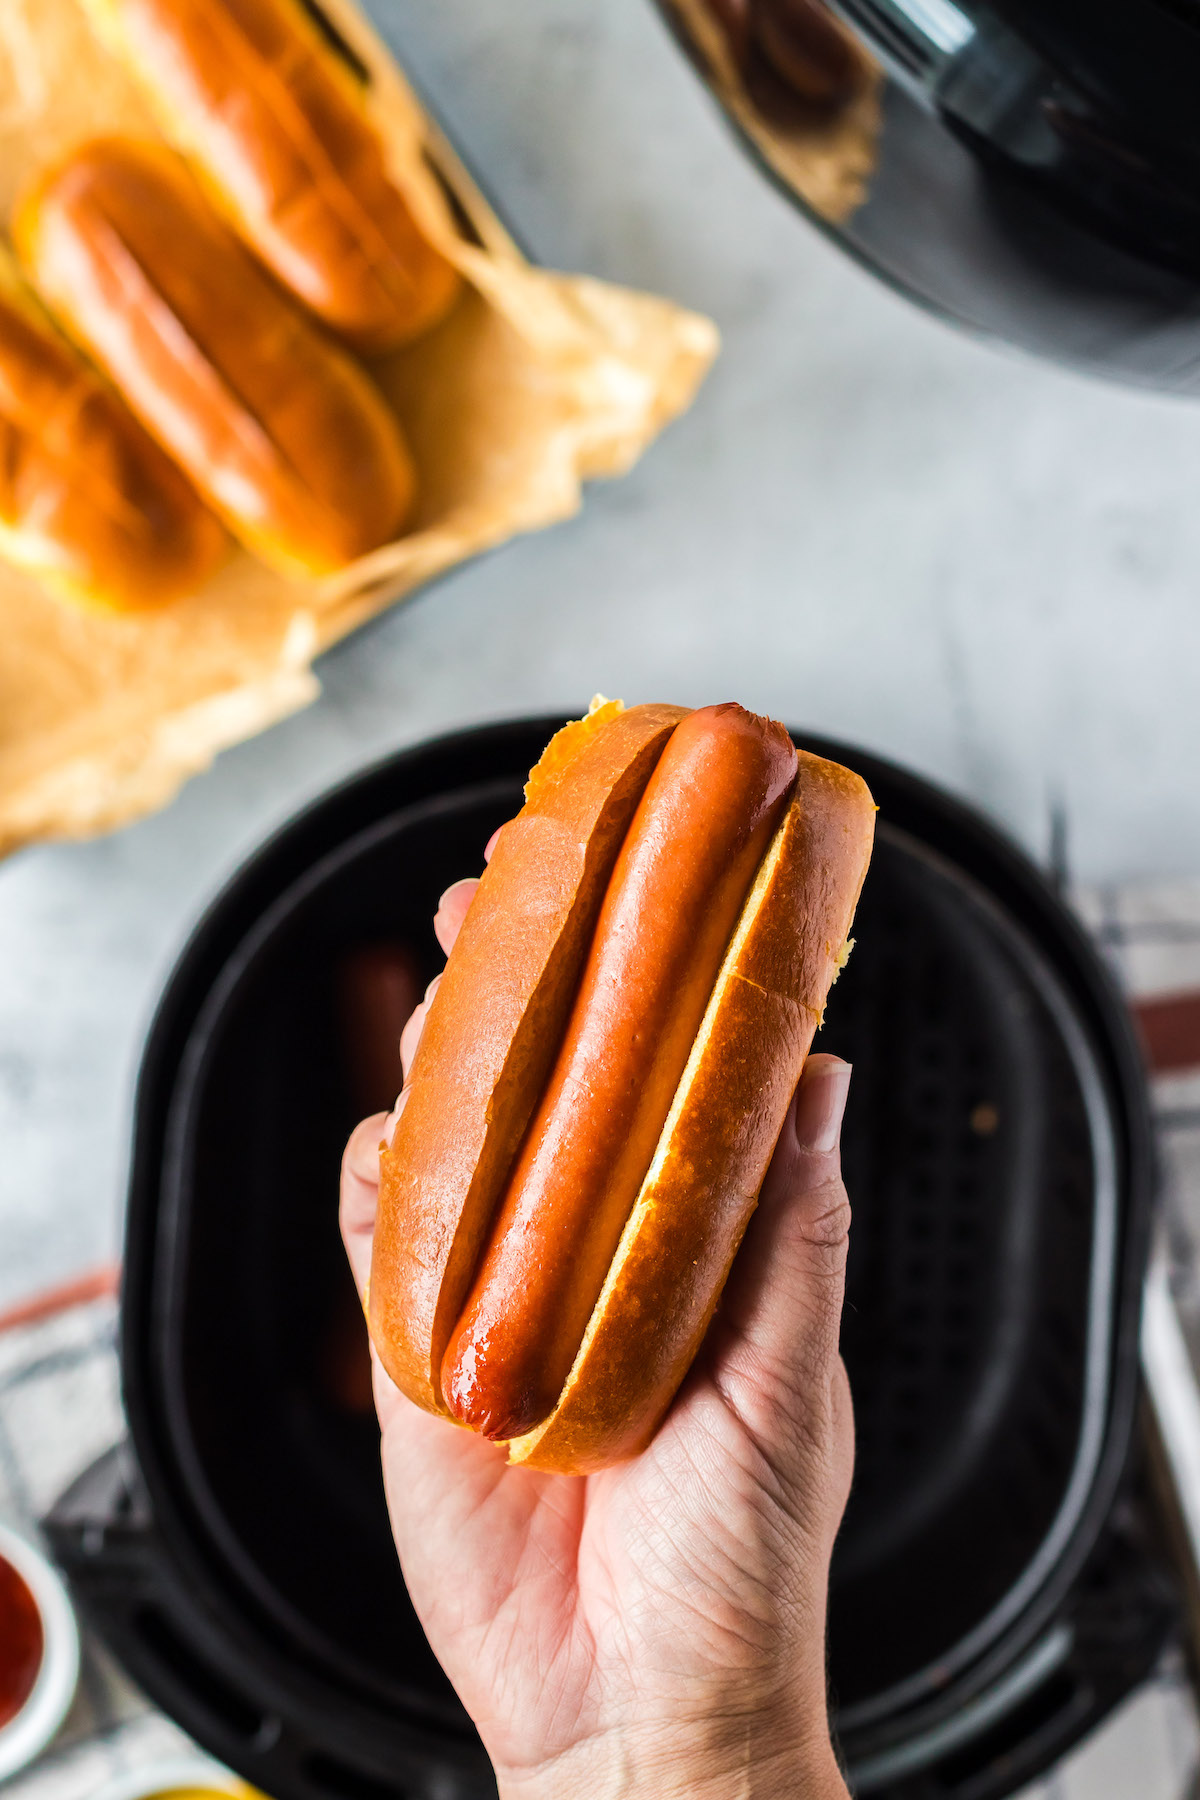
x: 867, y: 524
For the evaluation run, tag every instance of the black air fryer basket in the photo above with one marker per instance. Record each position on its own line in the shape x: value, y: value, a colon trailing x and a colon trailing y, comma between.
x: 992, y: 1596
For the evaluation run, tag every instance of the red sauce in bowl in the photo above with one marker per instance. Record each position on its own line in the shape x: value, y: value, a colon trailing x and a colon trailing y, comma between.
x: 22, y: 1641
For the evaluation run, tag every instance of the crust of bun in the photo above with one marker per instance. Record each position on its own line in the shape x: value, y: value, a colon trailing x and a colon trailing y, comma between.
x: 88, y: 501
x: 275, y: 126
x: 702, y: 1187
x: 277, y: 426
x: 493, y: 1030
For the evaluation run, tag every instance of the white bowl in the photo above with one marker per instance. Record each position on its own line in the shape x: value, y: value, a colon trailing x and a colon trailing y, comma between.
x: 27, y: 1735
x: 162, y: 1777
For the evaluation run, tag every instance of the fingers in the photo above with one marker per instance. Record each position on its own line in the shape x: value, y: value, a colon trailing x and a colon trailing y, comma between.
x: 360, y: 1190
x: 447, y: 923
x: 782, y: 1308
x: 360, y: 1194
x: 452, y: 910
x: 491, y: 844
x: 360, y: 1162
x: 410, y: 1037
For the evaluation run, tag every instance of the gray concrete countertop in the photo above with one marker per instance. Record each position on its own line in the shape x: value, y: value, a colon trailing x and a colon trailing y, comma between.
x: 867, y: 525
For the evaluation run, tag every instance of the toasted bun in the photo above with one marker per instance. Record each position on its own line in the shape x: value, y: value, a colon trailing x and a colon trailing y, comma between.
x: 702, y: 1187
x: 88, y: 502
x: 274, y: 124
x: 278, y: 428
x: 493, y: 1031
x: 486, y: 1052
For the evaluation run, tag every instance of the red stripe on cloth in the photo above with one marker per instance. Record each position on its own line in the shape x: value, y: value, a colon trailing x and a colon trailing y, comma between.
x: 97, y: 1284
x: 1170, y: 1028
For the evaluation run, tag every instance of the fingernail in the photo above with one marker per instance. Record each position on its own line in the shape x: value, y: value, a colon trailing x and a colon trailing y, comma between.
x: 392, y: 1120
x: 820, y: 1107
x: 362, y: 1155
x: 454, y: 891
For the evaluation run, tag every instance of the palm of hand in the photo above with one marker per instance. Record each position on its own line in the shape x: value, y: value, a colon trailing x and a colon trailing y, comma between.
x: 621, y: 1619
x: 567, y: 1601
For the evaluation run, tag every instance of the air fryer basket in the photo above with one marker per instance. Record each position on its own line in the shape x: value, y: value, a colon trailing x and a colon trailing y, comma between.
x: 997, y: 1155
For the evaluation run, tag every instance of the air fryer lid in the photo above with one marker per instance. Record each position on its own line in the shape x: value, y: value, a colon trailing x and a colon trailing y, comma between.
x: 996, y: 1157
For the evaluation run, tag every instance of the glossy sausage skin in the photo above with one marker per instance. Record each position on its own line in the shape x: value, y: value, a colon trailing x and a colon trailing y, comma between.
x: 680, y: 881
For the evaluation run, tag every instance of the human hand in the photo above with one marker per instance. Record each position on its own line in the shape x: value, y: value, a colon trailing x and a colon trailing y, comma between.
x: 656, y: 1629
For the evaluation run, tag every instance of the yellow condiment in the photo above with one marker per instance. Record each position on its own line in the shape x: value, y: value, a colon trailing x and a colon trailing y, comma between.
x: 239, y: 1792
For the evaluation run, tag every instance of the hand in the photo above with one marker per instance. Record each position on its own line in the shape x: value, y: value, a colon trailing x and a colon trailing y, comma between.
x: 657, y: 1629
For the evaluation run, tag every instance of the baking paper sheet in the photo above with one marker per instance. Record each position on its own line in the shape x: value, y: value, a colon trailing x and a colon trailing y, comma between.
x: 533, y: 383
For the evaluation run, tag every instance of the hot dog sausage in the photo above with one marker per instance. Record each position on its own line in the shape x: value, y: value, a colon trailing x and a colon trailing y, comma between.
x: 685, y: 868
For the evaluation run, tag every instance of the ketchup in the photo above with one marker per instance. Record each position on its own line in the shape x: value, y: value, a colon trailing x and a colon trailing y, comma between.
x: 21, y: 1641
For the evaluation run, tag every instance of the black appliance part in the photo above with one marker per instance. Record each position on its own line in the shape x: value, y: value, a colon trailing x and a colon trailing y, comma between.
x: 998, y: 1150
x: 1037, y: 174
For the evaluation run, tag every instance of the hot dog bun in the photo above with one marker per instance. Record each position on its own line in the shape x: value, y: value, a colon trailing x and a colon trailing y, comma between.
x: 696, y: 1198
x: 274, y: 124
x: 686, y: 866
x: 277, y: 427
x: 88, y: 502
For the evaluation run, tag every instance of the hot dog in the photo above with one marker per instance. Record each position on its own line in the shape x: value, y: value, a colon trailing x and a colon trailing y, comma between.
x: 684, y: 870
x: 561, y: 1274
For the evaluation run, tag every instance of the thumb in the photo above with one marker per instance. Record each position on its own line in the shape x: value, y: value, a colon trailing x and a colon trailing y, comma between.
x: 781, y: 1311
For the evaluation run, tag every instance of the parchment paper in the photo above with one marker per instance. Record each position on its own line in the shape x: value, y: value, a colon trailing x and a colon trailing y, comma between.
x: 533, y: 383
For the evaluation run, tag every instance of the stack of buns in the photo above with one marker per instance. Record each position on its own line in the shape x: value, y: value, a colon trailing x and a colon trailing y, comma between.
x: 179, y: 360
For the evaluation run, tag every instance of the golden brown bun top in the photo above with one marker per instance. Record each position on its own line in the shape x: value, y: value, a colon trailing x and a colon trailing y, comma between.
x: 494, y: 1028
x: 275, y: 425
x: 252, y: 94
x: 87, y: 500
